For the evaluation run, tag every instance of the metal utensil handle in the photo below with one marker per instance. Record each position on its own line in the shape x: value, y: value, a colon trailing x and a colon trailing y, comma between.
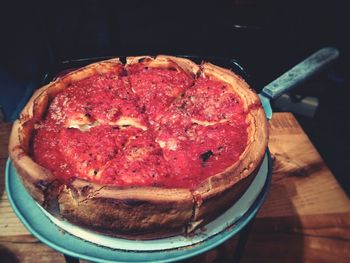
x: 301, y: 72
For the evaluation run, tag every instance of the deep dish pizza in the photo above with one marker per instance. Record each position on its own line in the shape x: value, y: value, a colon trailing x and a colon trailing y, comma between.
x: 152, y: 148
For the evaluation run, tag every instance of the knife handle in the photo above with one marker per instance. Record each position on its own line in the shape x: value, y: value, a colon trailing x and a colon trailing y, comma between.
x: 301, y: 72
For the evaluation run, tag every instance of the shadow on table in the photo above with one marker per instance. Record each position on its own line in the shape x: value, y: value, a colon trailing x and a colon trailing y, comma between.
x: 2, y: 178
x: 4, y: 134
x: 277, y: 232
x: 275, y: 239
x: 6, y: 256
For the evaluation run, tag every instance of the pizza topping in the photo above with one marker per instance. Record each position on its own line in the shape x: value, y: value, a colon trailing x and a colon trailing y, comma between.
x: 46, y: 151
x: 207, y: 123
x: 140, y: 163
x: 83, y: 125
x: 150, y: 127
x: 210, y: 101
x: 205, y: 156
x: 157, y: 88
x: 87, y: 151
x: 128, y: 121
x: 101, y: 98
x: 201, y: 151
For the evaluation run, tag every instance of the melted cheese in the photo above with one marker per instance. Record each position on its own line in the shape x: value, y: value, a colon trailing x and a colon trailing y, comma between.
x: 208, y: 123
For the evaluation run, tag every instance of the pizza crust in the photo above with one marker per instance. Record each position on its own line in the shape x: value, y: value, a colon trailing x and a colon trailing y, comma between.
x: 166, y: 62
x: 139, y: 212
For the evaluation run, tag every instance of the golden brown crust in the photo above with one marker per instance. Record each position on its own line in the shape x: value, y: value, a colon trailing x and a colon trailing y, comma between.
x: 140, y: 212
x: 163, y: 61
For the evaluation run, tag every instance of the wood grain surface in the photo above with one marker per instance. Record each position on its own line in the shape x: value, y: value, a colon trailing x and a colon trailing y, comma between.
x: 306, y: 217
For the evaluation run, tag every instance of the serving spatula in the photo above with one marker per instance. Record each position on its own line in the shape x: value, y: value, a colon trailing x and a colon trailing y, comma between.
x: 295, y: 76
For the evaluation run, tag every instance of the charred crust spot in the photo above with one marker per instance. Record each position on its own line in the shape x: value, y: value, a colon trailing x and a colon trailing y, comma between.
x: 85, y: 190
x: 143, y: 109
x: 70, y: 181
x: 183, y: 105
x: 204, y: 157
x: 124, y: 73
x: 42, y: 185
x: 134, y: 202
x: 144, y: 59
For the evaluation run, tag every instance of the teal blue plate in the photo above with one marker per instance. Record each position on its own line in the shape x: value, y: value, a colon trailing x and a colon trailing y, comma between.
x: 47, y: 232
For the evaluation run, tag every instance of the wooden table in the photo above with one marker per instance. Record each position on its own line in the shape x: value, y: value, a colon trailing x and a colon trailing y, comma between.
x: 306, y: 217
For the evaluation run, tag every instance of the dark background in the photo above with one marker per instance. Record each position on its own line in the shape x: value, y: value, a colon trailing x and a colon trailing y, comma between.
x: 266, y: 36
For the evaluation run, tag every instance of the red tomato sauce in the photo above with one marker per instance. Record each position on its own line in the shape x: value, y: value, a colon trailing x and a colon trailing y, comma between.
x: 140, y: 164
x: 101, y: 97
x: 157, y: 88
x: 210, y: 100
x: 195, y: 152
x: 174, y: 150
x: 46, y: 151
